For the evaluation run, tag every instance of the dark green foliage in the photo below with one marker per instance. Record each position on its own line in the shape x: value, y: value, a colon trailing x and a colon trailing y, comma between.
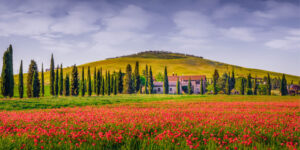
x: 21, y: 81
x: 215, y: 80
x: 7, y: 75
x: 147, y: 80
x: 75, y: 82
x: 232, y: 81
x: 43, y: 81
x: 255, y: 86
x: 202, y: 87
x: 67, y: 85
x: 227, y: 86
x: 35, y: 85
x: 249, y: 85
x: 137, y: 81
x: 120, y: 81
x: 83, y: 86
x: 166, y: 81
x: 102, y: 86
x: 269, y: 86
x: 95, y: 80
x: 178, y: 86
x: 108, y: 88
x: 283, y: 86
x: 30, y: 75
x: 243, y: 86
x: 128, y: 80
x: 189, y: 86
x: 61, y: 81
x: 98, y: 83
x: 56, y: 81
x: 89, y: 82
x: 52, y: 76
x: 115, y: 85
x: 151, y: 84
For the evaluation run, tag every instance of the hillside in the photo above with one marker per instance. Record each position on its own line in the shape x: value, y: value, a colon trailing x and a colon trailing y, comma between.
x: 179, y: 64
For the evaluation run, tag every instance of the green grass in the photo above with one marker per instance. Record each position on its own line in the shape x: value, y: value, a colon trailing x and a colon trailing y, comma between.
x: 59, y: 102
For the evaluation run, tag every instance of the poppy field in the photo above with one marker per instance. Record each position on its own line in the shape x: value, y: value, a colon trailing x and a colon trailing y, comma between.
x: 193, y: 123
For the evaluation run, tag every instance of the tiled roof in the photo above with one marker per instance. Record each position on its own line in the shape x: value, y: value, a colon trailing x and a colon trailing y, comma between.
x: 174, y: 78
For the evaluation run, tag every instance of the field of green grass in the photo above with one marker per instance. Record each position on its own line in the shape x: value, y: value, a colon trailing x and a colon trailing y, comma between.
x: 177, y: 63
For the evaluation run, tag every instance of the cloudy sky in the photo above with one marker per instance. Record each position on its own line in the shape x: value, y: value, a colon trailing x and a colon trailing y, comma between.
x: 251, y: 33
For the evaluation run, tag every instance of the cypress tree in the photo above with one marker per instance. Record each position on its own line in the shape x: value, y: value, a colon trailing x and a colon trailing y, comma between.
x: 83, y: 87
x: 166, y: 81
x: 255, y: 86
x: 95, y: 81
x: 215, y: 80
x: 269, y: 86
x: 30, y: 75
x: 75, y: 82
x: 56, y: 81
x: 128, y: 80
x: 227, y: 86
x: 283, y: 86
x: 243, y: 86
x: 67, y: 85
x: 11, y: 72
x: 61, y: 81
x: 89, y: 82
x: 21, y: 82
x: 151, y: 85
x: 102, y: 87
x: 249, y: 85
x: 115, y: 86
x: 189, y: 86
x: 202, y: 87
x: 7, y: 74
x: 147, y: 80
x: 120, y: 81
x: 98, y: 83
x: 35, y: 85
x: 137, y: 81
x: 232, y: 81
x: 52, y: 76
x: 108, y: 83
x: 111, y: 83
x: 43, y: 82
x: 178, y: 87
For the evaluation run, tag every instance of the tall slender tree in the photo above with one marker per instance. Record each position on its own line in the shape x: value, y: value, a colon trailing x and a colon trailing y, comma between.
x: 202, y: 87
x: 67, y: 85
x: 215, y: 80
x: 178, y: 87
x: 56, y: 81
x: 102, y: 86
x: 35, y: 84
x: 147, y: 80
x: 61, y: 81
x: 232, y: 81
x: 249, y: 85
x: 32, y: 71
x: 95, y: 80
x: 21, y: 81
x: 227, y: 86
x: 283, y: 86
x: 269, y: 86
x: 120, y: 81
x: 108, y: 83
x: 151, y: 84
x: 52, y: 76
x: 166, y: 81
x: 189, y: 86
x: 243, y: 86
x: 255, y: 86
x: 128, y: 80
x: 75, y: 82
x: 137, y: 80
x: 115, y: 85
x: 83, y: 87
x: 98, y: 83
x: 43, y: 81
x: 7, y: 77
x: 89, y: 82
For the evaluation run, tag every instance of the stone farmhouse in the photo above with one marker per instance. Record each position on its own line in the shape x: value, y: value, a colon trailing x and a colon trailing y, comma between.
x: 195, y: 82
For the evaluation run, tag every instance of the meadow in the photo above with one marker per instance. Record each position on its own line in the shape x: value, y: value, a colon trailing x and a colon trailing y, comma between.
x: 151, y: 122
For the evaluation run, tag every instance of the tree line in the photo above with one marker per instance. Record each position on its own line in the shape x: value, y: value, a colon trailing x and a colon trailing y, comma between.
x: 112, y: 83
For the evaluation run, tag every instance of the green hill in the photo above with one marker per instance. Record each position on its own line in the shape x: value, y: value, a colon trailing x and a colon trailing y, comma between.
x: 177, y: 63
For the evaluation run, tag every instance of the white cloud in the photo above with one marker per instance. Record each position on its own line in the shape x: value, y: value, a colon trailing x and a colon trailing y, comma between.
x: 238, y: 33
x: 287, y: 43
x: 227, y: 11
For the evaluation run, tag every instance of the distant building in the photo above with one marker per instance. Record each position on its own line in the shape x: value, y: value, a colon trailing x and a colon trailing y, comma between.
x: 293, y: 89
x: 195, y: 82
